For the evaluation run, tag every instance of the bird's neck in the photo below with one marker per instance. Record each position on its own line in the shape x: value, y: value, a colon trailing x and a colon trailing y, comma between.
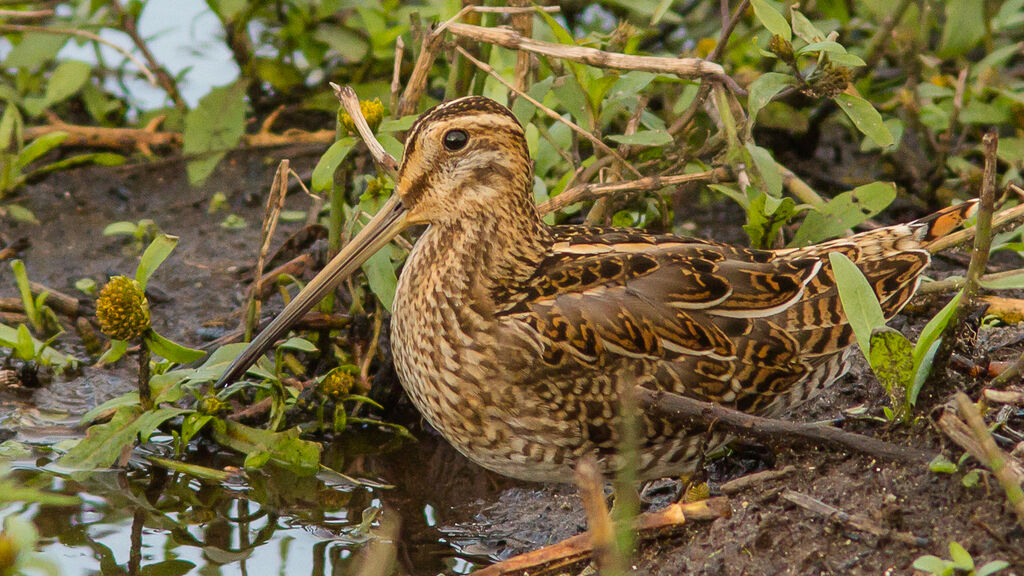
x: 479, y: 255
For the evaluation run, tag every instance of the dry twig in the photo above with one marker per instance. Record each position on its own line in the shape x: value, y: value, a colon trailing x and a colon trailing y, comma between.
x: 855, y: 521
x: 577, y: 549
x: 586, y: 192
x: 700, y: 414
x: 271, y: 214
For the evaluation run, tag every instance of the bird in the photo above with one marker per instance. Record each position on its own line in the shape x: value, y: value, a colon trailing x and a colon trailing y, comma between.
x: 516, y: 340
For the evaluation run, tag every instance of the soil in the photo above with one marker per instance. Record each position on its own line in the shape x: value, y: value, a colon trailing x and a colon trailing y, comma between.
x: 478, y: 517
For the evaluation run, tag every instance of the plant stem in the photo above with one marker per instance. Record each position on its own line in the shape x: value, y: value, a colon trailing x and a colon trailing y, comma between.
x: 145, y: 396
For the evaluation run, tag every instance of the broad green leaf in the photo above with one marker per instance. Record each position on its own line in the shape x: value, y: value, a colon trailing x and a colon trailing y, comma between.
x: 992, y: 567
x: 764, y: 221
x: 960, y: 557
x: 766, y: 171
x: 129, y: 399
x: 171, y: 350
x: 860, y: 304
x: 891, y: 359
x: 299, y: 344
x: 761, y: 91
x: 24, y: 348
x: 843, y: 212
x: 826, y: 46
x: 803, y: 28
x: 523, y: 108
x: 942, y: 465
x: 213, y: 128
x: 227, y: 9
x: 865, y: 118
x: 323, y: 173
x: 1011, y: 150
x: 49, y: 356
x: 10, y: 127
x: 117, y: 349
x: 157, y: 251
x: 67, y: 79
x: 932, y: 564
x: 151, y: 420
x: 121, y: 228
x: 194, y: 470
x: 19, y: 213
x: 40, y: 146
x: 217, y: 363
x: 644, y: 138
x: 104, y: 443
x: 397, y: 124
x: 772, y: 19
x: 660, y: 10
x: 35, y: 50
x: 285, y: 448
x: 964, y: 28
x: 934, y: 328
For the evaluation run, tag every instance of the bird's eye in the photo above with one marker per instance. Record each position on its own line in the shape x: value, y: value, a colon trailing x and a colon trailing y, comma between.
x: 455, y: 139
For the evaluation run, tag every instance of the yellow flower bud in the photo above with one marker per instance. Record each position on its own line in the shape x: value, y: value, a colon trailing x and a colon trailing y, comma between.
x: 372, y: 110
x: 122, y: 309
x: 336, y: 385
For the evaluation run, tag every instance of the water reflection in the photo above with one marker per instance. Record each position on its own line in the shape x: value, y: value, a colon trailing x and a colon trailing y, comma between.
x: 151, y: 521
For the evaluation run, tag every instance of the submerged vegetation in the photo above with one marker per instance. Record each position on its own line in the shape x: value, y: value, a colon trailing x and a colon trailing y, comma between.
x: 807, y: 121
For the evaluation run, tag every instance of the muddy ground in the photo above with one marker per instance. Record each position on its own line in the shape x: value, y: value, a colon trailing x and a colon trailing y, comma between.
x: 477, y: 516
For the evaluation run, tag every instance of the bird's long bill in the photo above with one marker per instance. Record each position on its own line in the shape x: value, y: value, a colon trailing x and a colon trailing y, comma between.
x: 378, y: 232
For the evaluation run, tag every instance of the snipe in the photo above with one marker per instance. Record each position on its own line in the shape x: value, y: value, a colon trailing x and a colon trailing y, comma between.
x: 515, y: 338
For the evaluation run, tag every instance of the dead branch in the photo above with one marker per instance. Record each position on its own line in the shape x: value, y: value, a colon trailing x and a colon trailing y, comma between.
x: 347, y: 96
x: 700, y: 414
x: 586, y: 192
x: 956, y: 283
x: 83, y: 34
x: 554, y: 115
x: 577, y: 549
x: 855, y: 521
x: 143, y: 139
x: 974, y: 437
x: 682, y: 67
x: 271, y: 215
x: 417, y: 82
x: 755, y: 480
x: 129, y: 24
x: 1004, y: 396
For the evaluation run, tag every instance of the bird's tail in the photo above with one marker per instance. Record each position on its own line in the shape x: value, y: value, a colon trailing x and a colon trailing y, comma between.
x: 931, y: 228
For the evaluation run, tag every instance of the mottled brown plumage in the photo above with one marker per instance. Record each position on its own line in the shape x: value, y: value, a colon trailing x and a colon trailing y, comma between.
x: 516, y: 339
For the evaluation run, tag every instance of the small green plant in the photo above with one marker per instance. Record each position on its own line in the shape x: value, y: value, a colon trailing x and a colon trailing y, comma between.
x: 960, y: 562
x: 142, y: 233
x: 123, y: 314
x: 40, y: 316
x: 900, y: 366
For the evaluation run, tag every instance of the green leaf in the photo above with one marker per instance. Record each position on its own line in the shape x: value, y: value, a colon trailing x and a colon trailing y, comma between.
x: 843, y: 212
x: 803, y: 27
x: 766, y: 171
x: 942, y: 465
x: 992, y: 567
x: 970, y: 480
x: 103, y: 443
x: 10, y: 127
x: 35, y: 50
x: 217, y: 363
x: 194, y: 470
x: 323, y: 173
x: 765, y: 216
x: 891, y: 358
x: 20, y: 214
x: 67, y: 79
x: 761, y: 91
x: 396, y: 125
x: 49, y: 356
x: 40, y: 146
x: 285, y: 448
x: 171, y: 350
x: 213, y: 128
x: 644, y: 138
x: 964, y: 28
x: 121, y: 228
x: 932, y: 564
x: 157, y: 251
x: 960, y: 557
x: 129, y: 399
x: 865, y: 118
x: 97, y: 158
x: 299, y: 344
x: 772, y: 19
x: 25, y: 347
x: 928, y: 344
x: 860, y: 305
x: 117, y: 349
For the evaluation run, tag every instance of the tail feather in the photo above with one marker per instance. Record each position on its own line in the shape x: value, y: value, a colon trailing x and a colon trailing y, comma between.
x: 941, y: 223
